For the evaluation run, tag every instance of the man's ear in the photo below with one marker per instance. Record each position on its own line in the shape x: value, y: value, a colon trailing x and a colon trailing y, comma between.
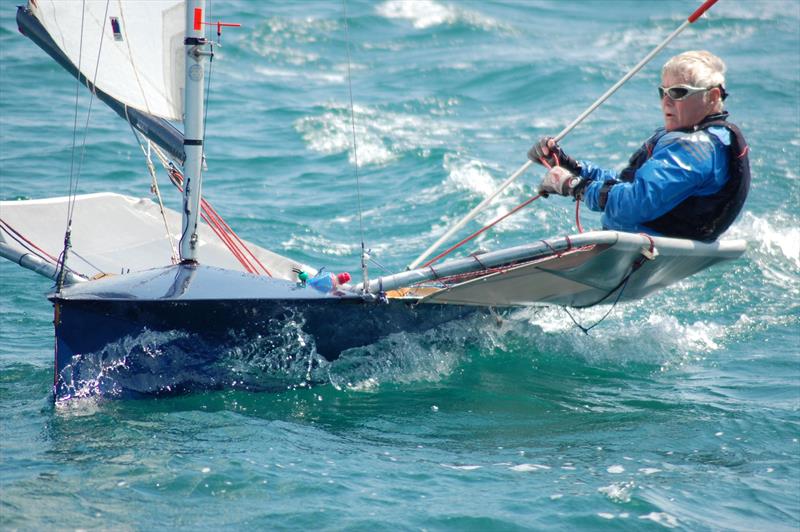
x: 714, y: 96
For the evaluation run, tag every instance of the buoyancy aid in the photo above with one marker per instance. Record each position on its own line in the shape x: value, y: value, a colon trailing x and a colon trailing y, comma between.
x: 702, y: 218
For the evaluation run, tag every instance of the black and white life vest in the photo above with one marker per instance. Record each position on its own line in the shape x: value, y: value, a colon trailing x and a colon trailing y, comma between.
x: 703, y: 218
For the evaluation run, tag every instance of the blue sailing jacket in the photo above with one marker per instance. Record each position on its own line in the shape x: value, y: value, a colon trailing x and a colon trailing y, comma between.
x: 682, y: 164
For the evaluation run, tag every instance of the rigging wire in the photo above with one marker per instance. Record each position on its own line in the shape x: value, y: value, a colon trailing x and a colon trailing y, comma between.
x: 92, y: 90
x: 73, y: 183
x: 77, y: 99
x: 61, y: 262
x: 216, y: 223
x: 364, y: 253
x: 174, y: 256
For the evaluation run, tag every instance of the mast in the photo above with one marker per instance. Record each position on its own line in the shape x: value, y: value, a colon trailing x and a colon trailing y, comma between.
x: 193, y: 121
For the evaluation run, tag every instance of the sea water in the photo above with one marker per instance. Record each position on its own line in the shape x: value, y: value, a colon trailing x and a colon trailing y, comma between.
x: 679, y: 411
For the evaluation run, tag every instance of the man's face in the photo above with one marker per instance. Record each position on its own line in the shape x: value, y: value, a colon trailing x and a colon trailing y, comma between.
x: 684, y: 113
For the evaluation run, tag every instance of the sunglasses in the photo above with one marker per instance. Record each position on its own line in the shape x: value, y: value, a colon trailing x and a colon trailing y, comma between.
x: 680, y: 92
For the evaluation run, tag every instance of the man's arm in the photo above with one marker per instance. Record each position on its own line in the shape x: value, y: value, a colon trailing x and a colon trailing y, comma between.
x: 680, y: 167
x: 595, y: 173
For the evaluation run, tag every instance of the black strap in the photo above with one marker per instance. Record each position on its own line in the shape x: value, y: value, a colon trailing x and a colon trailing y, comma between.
x: 604, y: 190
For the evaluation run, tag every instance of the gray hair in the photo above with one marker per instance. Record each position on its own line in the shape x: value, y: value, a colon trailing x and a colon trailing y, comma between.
x: 699, y: 68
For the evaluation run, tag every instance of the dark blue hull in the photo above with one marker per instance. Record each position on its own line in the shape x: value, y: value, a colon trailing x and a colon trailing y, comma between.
x: 187, y: 327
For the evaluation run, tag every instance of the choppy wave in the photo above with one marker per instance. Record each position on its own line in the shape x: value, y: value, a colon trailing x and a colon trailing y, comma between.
x: 381, y: 135
x: 425, y: 14
x: 774, y: 242
x: 290, y: 40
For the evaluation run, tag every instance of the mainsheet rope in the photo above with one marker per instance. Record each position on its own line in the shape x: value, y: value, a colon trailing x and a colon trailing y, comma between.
x: 503, y: 217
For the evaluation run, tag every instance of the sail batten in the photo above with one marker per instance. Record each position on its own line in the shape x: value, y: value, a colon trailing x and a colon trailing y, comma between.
x: 146, y: 112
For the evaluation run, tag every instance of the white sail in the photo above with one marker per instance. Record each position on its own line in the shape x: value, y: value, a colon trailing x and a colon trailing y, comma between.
x: 113, y: 233
x: 140, y: 54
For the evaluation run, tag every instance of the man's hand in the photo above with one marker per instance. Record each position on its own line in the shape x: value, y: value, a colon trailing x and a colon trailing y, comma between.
x: 559, y: 181
x: 547, y: 149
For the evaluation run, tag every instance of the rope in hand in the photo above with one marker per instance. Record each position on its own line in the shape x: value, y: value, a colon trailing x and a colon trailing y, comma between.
x: 522, y: 205
x: 577, y: 201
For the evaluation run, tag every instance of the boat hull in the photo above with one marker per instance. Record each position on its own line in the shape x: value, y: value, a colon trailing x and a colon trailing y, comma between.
x: 123, y: 341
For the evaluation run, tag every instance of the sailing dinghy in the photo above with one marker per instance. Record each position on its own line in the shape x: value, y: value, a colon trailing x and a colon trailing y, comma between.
x: 125, y: 299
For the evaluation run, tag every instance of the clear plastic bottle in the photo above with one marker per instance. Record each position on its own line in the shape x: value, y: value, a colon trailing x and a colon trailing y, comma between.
x: 328, y: 281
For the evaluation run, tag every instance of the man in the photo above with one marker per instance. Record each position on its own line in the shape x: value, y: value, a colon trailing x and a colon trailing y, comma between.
x: 689, y: 180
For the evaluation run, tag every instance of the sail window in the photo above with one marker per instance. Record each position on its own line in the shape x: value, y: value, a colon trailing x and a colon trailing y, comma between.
x: 116, y: 29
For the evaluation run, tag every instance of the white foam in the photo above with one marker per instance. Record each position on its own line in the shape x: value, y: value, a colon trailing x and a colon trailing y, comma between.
x: 469, y: 174
x: 621, y: 48
x: 466, y: 174
x: 304, y: 75
x: 618, y: 491
x: 661, y: 518
x: 649, y: 470
x: 314, y: 244
x: 381, y: 136
x: 282, y: 39
x: 429, y: 13
x: 422, y: 13
x: 462, y: 467
x: 770, y: 11
x: 774, y: 246
x: 529, y: 467
x: 671, y: 342
x: 615, y: 469
x: 407, y: 357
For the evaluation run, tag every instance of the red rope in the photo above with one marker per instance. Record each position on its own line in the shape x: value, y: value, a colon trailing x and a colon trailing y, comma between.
x: 577, y: 201
x: 223, y: 231
x: 236, y: 237
x: 578, y: 215
x: 228, y: 243
x: 524, y: 204
x: 34, y: 246
x: 486, y: 228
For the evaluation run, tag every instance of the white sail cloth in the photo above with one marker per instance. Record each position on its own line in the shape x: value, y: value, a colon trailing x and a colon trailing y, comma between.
x: 114, y: 233
x: 141, y: 61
